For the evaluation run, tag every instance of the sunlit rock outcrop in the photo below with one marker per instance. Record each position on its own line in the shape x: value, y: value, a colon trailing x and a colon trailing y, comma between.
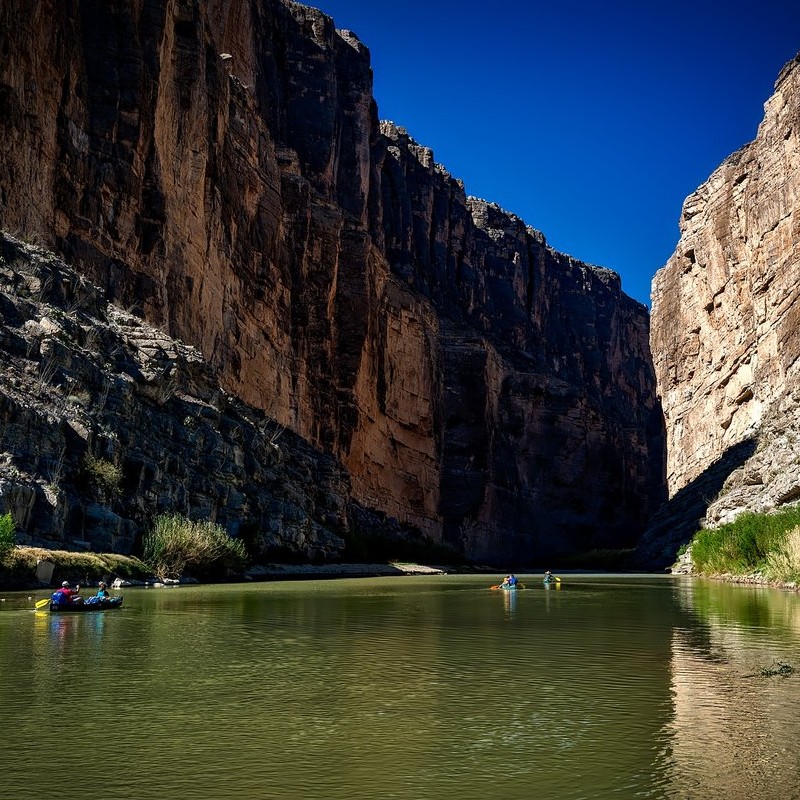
x: 725, y: 333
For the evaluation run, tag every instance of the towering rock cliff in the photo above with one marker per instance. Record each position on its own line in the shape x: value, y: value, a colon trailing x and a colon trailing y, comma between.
x: 725, y: 328
x: 219, y: 168
x: 106, y: 422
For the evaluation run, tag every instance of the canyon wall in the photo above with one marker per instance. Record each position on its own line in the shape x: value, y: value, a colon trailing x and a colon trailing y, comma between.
x: 219, y: 169
x: 106, y: 422
x: 726, y: 328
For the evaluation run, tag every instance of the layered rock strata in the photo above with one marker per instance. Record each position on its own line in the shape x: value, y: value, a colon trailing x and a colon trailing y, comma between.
x: 107, y: 422
x: 221, y: 168
x: 725, y: 335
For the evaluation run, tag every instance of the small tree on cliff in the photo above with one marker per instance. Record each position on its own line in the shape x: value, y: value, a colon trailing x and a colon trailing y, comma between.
x: 8, y: 532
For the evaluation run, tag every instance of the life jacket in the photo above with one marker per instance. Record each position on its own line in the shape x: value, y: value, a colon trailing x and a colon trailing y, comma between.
x: 59, y: 598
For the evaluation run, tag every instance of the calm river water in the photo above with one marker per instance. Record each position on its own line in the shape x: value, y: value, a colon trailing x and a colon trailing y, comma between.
x: 412, y: 688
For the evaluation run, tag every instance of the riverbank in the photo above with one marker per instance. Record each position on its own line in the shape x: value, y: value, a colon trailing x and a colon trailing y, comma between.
x: 38, y: 568
x: 755, y: 580
x: 684, y: 566
x: 753, y: 550
x: 286, y: 572
x: 290, y: 571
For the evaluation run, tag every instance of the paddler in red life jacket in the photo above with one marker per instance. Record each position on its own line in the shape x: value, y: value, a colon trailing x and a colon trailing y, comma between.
x: 66, y: 594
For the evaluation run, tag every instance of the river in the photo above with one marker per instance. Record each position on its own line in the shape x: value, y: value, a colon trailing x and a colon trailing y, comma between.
x: 407, y: 688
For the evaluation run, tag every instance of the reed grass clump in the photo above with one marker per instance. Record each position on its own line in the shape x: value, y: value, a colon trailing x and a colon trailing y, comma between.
x: 177, y: 545
x: 765, y: 543
x: 784, y: 563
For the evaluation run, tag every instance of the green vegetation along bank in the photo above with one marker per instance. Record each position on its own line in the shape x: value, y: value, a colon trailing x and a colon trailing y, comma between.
x: 175, y: 547
x: 27, y: 567
x: 755, y: 548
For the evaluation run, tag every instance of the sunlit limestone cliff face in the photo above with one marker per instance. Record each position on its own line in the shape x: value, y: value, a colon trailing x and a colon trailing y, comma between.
x: 220, y: 168
x: 726, y: 326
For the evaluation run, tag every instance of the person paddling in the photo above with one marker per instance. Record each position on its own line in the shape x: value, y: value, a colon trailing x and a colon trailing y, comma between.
x: 66, y: 594
x: 102, y: 595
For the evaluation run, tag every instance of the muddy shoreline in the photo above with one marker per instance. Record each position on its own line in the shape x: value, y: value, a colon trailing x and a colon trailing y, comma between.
x: 37, y: 568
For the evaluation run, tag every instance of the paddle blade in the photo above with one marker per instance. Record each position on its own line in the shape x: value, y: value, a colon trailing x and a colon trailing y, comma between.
x: 558, y: 580
x: 522, y: 586
x: 496, y: 586
x: 43, y: 603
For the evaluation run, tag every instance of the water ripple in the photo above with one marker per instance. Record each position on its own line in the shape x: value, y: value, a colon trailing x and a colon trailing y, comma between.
x: 398, y: 689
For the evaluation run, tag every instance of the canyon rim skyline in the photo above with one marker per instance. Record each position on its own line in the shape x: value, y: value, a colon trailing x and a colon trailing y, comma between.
x: 591, y: 122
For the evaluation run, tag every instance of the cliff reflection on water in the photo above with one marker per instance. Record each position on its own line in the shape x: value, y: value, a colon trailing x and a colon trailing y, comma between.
x: 613, y: 686
x: 735, y: 723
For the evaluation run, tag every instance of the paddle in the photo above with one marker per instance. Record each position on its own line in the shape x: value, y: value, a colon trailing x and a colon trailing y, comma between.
x: 496, y: 586
x: 43, y: 603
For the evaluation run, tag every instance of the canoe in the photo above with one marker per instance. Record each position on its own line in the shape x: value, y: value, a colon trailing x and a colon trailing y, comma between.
x: 80, y: 608
x: 510, y: 588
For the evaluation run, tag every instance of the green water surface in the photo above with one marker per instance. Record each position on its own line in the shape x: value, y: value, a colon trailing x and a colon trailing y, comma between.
x: 413, y: 687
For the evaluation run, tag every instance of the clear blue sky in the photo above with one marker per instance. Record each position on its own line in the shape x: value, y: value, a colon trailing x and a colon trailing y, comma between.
x: 591, y: 120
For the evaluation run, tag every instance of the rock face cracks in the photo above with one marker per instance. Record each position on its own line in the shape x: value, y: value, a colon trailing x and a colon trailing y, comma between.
x: 726, y: 326
x: 106, y: 422
x: 220, y: 167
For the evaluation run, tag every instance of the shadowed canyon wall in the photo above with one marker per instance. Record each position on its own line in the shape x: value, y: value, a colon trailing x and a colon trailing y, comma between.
x: 106, y: 422
x: 726, y: 330
x: 220, y: 169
